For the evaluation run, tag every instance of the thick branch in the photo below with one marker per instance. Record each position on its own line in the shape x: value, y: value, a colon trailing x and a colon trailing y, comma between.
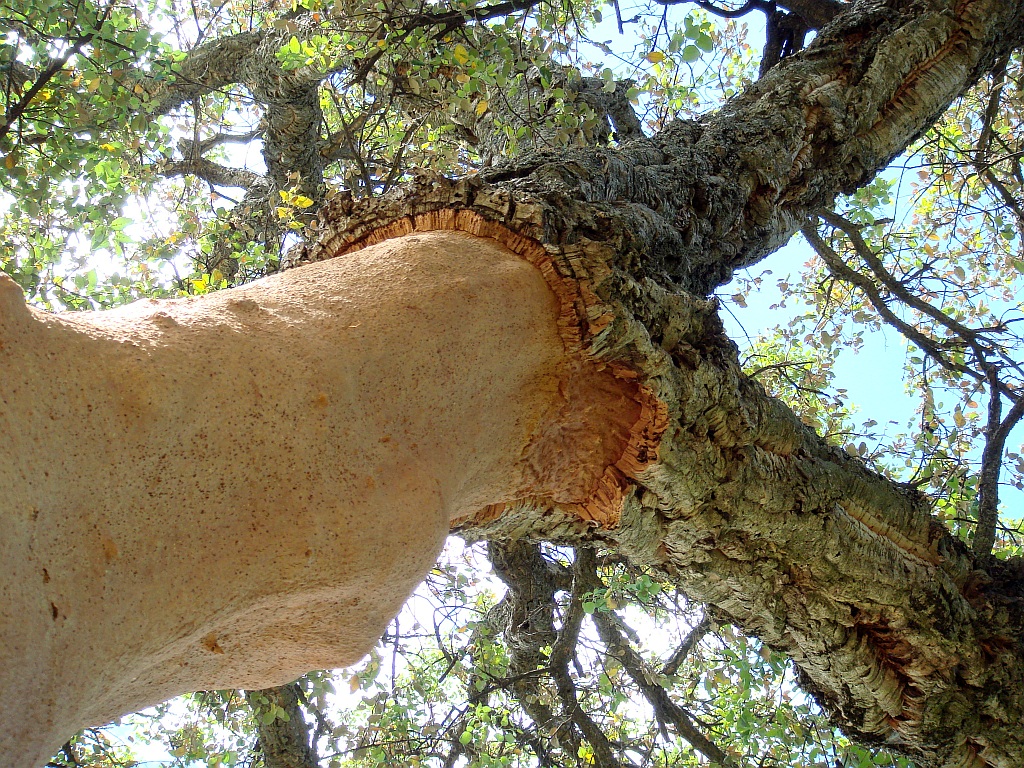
x: 706, y: 197
x: 214, y: 173
x: 532, y: 581
x: 282, y: 731
x: 290, y: 99
x: 207, y: 68
x: 749, y: 511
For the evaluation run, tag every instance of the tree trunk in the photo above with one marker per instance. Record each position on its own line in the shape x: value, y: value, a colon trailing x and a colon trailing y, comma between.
x: 580, y: 390
x: 893, y: 626
x: 284, y: 738
x: 230, y: 491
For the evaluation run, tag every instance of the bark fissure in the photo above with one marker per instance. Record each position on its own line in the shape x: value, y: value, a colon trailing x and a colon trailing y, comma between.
x: 283, y: 735
x: 749, y: 510
x: 704, y: 198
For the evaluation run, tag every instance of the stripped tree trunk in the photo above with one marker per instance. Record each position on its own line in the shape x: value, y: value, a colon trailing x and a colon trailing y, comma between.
x: 630, y: 425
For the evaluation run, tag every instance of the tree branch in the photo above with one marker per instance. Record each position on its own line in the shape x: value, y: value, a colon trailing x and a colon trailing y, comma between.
x: 561, y: 652
x: 214, y: 173
x: 206, y: 68
x: 749, y: 511
x: 190, y: 148
x: 991, y: 463
x: 700, y: 629
x: 532, y: 582
x: 54, y: 66
x: 817, y: 13
x: 283, y: 738
x: 844, y: 272
x: 665, y: 709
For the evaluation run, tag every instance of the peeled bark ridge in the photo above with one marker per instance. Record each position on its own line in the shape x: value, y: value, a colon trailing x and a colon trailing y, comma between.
x: 230, y: 491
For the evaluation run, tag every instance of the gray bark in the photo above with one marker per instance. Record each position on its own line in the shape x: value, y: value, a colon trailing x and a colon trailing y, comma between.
x: 902, y: 636
x: 284, y: 740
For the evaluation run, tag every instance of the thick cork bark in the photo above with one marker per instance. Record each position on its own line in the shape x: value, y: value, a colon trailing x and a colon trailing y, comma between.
x: 229, y: 491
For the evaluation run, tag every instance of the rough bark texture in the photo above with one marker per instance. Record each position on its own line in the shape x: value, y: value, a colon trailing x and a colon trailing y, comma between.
x: 894, y: 627
x: 704, y: 198
x: 284, y: 740
x: 894, y: 630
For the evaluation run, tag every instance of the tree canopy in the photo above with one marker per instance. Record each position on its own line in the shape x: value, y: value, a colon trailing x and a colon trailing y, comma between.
x: 173, y: 149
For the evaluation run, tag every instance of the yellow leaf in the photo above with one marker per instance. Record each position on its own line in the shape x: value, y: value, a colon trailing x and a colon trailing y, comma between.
x: 217, y: 275
x: 138, y: 89
x: 655, y: 56
x: 93, y: 85
x: 283, y: 213
x: 301, y: 201
x: 10, y: 161
x: 353, y: 683
x: 481, y: 107
x: 461, y: 54
x: 108, y: 147
x: 462, y: 77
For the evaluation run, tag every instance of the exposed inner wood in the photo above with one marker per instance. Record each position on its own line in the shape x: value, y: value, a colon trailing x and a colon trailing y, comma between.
x: 231, y: 490
x: 633, y: 420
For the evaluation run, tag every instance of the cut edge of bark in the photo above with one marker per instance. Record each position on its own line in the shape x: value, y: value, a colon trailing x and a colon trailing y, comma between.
x: 581, y: 316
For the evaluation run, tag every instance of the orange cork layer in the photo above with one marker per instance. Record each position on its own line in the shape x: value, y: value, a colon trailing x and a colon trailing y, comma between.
x: 607, y: 431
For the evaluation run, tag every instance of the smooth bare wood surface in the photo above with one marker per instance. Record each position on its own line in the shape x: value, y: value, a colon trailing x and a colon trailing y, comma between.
x: 232, y: 490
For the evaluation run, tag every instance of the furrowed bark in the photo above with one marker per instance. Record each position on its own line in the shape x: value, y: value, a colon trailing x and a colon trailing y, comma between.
x: 704, y: 198
x: 284, y: 739
x: 891, y: 624
x: 289, y: 98
x: 894, y: 630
